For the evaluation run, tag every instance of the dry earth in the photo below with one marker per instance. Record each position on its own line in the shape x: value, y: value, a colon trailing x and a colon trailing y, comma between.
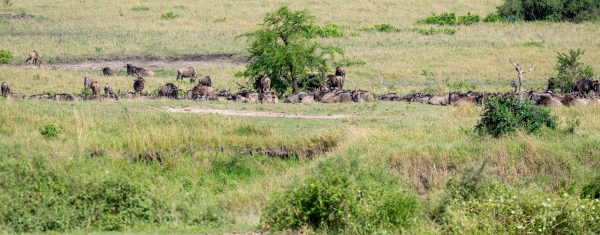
x: 248, y: 113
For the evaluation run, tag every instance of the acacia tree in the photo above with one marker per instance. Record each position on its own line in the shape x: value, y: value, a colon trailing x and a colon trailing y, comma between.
x: 284, y: 49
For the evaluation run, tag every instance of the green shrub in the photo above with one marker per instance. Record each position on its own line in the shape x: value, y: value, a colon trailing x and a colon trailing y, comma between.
x: 169, y: 15
x: 461, y: 85
x: 220, y: 20
x: 140, y: 8
x: 534, y: 44
x: 336, y: 201
x: 468, y: 19
x: 331, y: 30
x: 432, y: 31
x: 366, y: 28
x: 50, y: 131
x: 550, y: 10
x: 493, y: 17
x: 386, y: 28
x: 356, y: 34
x: 570, y: 68
x: 505, y: 115
x: 443, y: 19
x: 349, y: 62
x: 5, y: 56
x: 591, y: 190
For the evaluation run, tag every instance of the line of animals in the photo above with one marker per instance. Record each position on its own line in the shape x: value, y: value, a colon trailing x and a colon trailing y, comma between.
x: 323, y: 90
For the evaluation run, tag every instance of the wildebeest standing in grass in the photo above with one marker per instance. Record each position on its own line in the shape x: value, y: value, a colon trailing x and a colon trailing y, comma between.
x: 169, y: 90
x: 138, y: 84
x: 88, y: 81
x: 108, y: 89
x: 33, y: 58
x: 108, y: 71
x: 334, y: 81
x: 340, y: 71
x: 262, y: 84
x: 131, y: 69
x: 205, y: 81
x: 95, y: 89
x: 186, y: 73
x: 5, y: 89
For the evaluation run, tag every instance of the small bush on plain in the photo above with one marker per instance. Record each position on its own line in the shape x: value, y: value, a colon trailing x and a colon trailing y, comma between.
x: 386, y: 28
x: 534, y: 44
x: 50, y: 131
x: 493, y: 17
x: 468, y: 19
x: 140, y: 8
x: 169, y: 15
x: 331, y: 30
x: 570, y: 68
x: 442, y: 19
x: 506, y: 115
x: 461, y: 85
x: 5, y: 56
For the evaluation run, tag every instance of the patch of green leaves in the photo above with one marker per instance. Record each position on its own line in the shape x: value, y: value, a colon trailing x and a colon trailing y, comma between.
x: 570, y: 68
x: 140, y: 8
x: 442, y: 19
x: 534, y: 44
x: 505, y: 115
x: 461, y: 85
x: 349, y: 62
x: 220, y: 20
x: 169, y: 15
x: 50, y: 130
x: 468, y: 19
x: 493, y: 17
x: 5, y: 56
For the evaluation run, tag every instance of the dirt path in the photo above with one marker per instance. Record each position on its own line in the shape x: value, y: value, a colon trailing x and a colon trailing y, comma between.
x: 149, y: 61
x: 248, y: 113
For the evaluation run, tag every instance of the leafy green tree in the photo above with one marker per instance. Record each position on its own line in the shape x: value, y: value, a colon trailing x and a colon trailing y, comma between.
x: 284, y: 49
x: 570, y: 68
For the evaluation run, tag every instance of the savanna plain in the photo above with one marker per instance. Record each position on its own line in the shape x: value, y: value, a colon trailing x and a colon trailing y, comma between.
x: 135, y: 167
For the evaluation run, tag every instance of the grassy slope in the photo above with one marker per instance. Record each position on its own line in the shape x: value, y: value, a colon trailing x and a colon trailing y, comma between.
x: 410, y: 139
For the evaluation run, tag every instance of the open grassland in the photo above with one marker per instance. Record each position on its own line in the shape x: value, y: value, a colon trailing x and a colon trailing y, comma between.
x: 213, y: 173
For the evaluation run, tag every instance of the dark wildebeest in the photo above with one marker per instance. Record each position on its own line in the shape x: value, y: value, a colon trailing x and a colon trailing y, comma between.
x: 143, y: 72
x: 138, y: 84
x: 108, y: 89
x: 334, y: 81
x: 131, y: 69
x: 262, y: 84
x: 186, y: 73
x: 551, y: 84
x: 33, y: 58
x: 65, y: 97
x: 169, y: 90
x: 108, y: 72
x: 205, y: 81
x: 584, y: 86
x: 340, y: 71
x: 5, y: 89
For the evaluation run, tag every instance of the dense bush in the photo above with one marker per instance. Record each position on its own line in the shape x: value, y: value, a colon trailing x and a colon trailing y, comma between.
x: 442, y: 19
x: 570, y: 68
x: 169, y: 15
x: 493, y: 17
x: 550, y: 10
x: 591, y: 190
x: 468, y: 19
x: 5, y: 56
x: 505, y: 115
x: 338, y: 201
x: 331, y: 30
x: 50, y: 131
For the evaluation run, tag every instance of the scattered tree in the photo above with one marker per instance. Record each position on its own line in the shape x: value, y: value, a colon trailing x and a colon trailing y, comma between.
x: 283, y: 49
x: 570, y: 69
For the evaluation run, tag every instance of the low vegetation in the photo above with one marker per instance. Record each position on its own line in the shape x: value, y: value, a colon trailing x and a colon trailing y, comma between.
x: 550, y: 10
x: 5, y: 56
x: 505, y: 115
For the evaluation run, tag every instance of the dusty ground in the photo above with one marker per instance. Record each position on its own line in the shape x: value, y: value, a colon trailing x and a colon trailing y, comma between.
x: 147, y: 61
x: 248, y: 113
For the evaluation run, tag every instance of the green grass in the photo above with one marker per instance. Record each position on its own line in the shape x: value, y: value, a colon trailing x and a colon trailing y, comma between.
x: 216, y: 173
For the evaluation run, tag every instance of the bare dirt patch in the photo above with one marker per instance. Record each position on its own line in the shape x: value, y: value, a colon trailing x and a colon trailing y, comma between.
x: 248, y: 113
x: 150, y: 61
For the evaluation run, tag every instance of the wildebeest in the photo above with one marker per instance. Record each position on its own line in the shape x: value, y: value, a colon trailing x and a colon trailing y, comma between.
x: 340, y: 71
x: 551, y: 84
x: 40, y: 97
x: 17, y: 95
x: 262, y: 84
x: 202, y: 92
x: 269, y: 98
x: 205, y: 81
x: 337, y: 97
x: 362, y: 96
x: 186, y: 73
x: 131, y: 69
x: 95, y: 89
x: 439, y: 100
x: 334, y: 81
x: 65, y: 97
x: 33, y: 58
x: 88, y: 81
x: 138, y: 84
x: 143, y: 72
x: 169, y: 90
x: 108, y: 89
x: 91, y: 97
x: 572, y: 100
x: 5, y: 89
x: 108, y: 71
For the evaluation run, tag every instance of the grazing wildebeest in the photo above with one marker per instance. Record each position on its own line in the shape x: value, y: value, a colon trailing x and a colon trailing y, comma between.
x: 572, y: 100
x: 138, y: 84
x: 95, y: 89
x: 108, y: 89
x: 334, y: 81
x: 262, y: 84
x: 88, y: 82
x: 108, y: 71
x: 169, y: 90
x: 186, y: 73
x: 143, y: 72
x: 205, y: 81
x: 5, y: 89
x: 33, y: 58
x: 131, y: 69
x: 340, y: 71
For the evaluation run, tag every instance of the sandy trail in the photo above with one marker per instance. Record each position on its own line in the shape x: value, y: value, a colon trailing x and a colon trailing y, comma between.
x: 249, y: 113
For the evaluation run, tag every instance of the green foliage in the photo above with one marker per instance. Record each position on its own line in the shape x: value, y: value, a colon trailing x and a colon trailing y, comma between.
x: 250, y: 130
x: 339, y: 200
x: 505, y: 115
x: 220, y: 20
x: 347, y: 63
x: 461, y: 85
x: 356, y: 34
x: 329, y: 31
x: 550, y: 10
x: 534, y: 44
x: 386, y: 28
x: 493, y: 17
x: 38, y: 197
x: 284, y: 49
x: 7, y: 3
x: 442, y: 19
x: 592, y: 189
x: 432, y: 31
x: 141, y: 8
x: 169, y: 15
x: 366, y: 28
x: 570, y: 68
x: 50, y: 131
x: 5, y: 56
x: 468, y: 19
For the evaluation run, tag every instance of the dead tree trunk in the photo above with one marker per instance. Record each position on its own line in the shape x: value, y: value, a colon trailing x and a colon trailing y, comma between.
x: 521, y: 72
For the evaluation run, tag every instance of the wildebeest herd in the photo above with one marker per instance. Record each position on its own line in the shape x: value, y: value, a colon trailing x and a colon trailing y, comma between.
x: 328, y: 89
